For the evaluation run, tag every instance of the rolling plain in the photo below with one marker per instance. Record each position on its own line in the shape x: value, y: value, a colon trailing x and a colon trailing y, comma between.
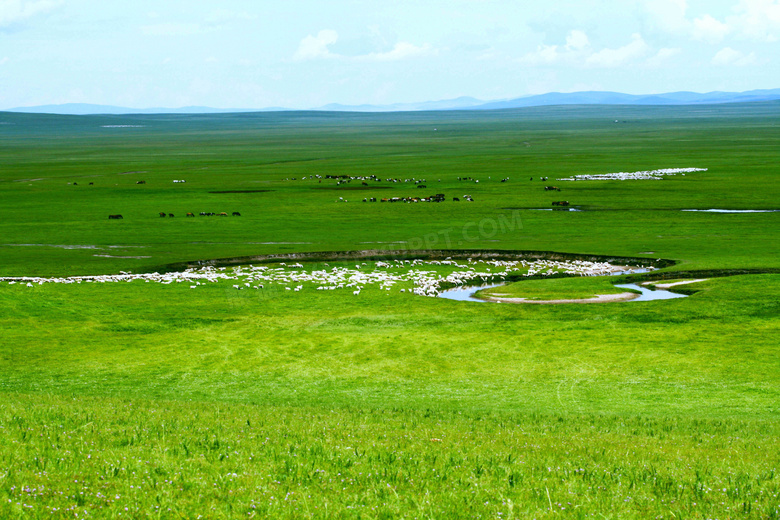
x: 218, y: 400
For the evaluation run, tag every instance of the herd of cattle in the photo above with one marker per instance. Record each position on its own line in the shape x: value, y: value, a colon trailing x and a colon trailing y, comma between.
x: 202, y: 214
x: 171, y: 215
x: 343, y: 179
x: 439, y: 197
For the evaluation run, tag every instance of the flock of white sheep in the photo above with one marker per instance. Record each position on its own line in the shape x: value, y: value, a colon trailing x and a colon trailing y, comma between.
x: 425, y: 276
x: 652, y: 175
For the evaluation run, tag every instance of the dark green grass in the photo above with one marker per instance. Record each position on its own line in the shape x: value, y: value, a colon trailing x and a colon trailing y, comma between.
x: 259, y: 151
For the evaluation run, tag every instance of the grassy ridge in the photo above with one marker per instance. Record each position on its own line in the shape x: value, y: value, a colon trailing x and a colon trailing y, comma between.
x: 556, y: 289
x: 713, y: 354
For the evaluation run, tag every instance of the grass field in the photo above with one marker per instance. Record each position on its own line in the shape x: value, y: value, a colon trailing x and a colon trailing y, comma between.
x: 154, y: 400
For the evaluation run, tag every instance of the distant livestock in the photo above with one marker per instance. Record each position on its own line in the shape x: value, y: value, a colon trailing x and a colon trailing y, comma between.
x: 114, y: 217
x: 236, y: 214
x: 162, y: 214
x: 190, y: 214
x: 561, y: 203
x: 140, y: 182
x: 552, y: 188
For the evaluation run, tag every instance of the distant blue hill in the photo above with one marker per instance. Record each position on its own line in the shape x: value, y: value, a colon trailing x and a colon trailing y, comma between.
x: 80, y: 109
x: 616, y: 98
x: 461, y: 103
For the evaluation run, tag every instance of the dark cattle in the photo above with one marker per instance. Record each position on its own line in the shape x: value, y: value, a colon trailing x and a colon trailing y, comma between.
x: 112, y: 217
x: 422, y: 186
x: 140, y: 182
x: 162, y: 214
x: 190, y: 214
x: 364, y: 183
x: 455, y: 199
x: 75, y: 183
x: 170, y: 215
x: 552, y: 188
x: 561, y: 203
x: 372, y: 199
x: 91, y: 183
x: 236, y: 214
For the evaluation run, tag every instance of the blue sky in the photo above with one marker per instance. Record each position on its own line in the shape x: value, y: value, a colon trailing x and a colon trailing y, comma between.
x: 302, y: 53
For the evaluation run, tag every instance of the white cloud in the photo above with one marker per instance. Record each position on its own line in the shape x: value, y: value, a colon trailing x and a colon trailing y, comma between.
x: 576, y: 40
x: 610, y: 58
x: 314, y: 47
x: 578, y: 51
x: 730, y: 57
x: 317, y: 47
x: 543, y: 55
x: 576, y: 45
x: 709, y: 29
x: 14, y: 11
x: 758, y: 19
x: 401, y: 50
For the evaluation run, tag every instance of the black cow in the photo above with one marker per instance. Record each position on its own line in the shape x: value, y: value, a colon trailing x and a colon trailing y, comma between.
x: 236, y: 214
x: 162, y: 215
x: 561, y: 203
x: 112, y: 217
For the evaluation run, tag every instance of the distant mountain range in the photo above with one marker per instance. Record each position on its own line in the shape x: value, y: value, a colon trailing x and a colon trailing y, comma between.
x: 461, y: 103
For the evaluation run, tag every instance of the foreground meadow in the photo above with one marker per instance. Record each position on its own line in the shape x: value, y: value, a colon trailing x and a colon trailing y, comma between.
x: 139, y: 399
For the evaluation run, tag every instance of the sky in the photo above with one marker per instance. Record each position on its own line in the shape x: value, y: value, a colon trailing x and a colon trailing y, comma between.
x: 308, y: 53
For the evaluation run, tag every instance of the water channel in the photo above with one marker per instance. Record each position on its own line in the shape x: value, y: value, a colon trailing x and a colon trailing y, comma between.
x: 466, y: 293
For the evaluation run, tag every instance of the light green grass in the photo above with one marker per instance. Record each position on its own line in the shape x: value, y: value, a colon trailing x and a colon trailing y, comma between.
x: 385, y: 405
x: 109, y: 458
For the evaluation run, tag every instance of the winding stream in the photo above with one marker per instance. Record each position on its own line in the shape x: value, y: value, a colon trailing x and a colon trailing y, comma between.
x: 467, y: 293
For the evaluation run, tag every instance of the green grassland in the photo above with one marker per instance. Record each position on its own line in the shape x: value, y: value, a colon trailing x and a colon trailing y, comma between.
x: 145, y: 400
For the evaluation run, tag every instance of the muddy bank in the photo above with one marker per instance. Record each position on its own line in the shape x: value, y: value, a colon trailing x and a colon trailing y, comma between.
x: 695, y: 274
x: 433, y: 254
